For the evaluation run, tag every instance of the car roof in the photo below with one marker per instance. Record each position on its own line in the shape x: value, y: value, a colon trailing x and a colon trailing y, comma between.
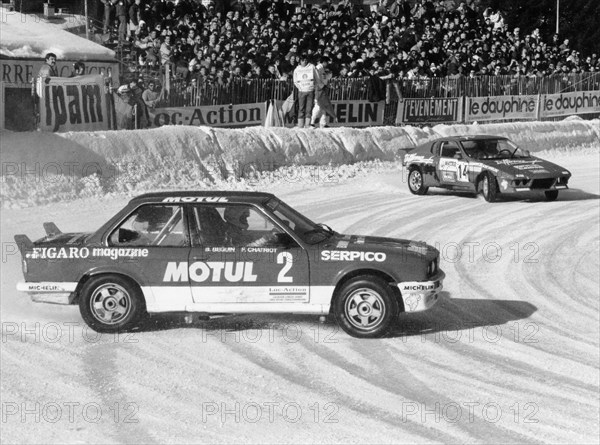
x: 233, y: 196
x: 469, y: 137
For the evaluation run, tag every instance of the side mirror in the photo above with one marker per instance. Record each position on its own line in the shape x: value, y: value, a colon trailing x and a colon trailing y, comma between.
x: 527, y: 153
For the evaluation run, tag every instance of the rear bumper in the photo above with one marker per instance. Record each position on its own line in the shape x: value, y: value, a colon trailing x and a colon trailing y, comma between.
x: 421, y: 295
x: 48, y: 292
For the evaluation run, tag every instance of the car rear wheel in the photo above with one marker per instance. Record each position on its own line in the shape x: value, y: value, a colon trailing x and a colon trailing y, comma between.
x: 551, y: 195
x: 415, y: 181
x: 111, y: 303
x: 365, y: 307
x: 489, y: 187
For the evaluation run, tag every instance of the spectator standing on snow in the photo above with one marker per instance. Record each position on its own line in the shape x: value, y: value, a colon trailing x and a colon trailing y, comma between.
x: 49, y: 69
x: 305, y: 76
x: 124, y: 108
x: 323, y: 105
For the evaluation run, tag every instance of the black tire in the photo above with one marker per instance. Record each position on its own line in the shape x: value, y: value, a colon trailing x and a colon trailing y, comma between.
x: 489, y: 187
x: 415, y: 181
x: 365, y: 307
x: 551, y: 195
x: 111, y: 303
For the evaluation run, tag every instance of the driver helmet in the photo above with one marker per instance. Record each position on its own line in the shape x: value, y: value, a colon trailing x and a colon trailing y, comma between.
x: 237, y: 216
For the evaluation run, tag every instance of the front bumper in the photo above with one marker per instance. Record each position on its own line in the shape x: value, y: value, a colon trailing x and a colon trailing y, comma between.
x: 546, y: 184
x: 421, y: 295
x: 48, y: 292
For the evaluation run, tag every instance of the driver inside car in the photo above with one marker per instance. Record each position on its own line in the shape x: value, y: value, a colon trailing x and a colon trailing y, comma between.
x: 236, y: 219
x: 149, y: 221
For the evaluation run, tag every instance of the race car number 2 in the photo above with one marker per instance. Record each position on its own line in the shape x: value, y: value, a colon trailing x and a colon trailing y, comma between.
x: 287, y: 259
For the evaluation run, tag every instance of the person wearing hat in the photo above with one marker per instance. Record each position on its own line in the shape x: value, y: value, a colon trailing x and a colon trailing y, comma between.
x: 78, y: 69
x: 124, y: 108
x: 305, y: 76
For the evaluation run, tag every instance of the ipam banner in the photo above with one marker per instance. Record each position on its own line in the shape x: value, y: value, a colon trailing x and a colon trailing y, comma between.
x: 497, y: 108
x: 418, y: 111
x: 73, y: 104
x: 581, y: 102
x: 230, y: 116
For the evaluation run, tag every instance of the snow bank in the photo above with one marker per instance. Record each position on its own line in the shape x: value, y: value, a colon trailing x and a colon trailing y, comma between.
x: 43, y: 167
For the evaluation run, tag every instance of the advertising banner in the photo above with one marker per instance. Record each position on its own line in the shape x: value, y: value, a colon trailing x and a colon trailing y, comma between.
x: 580, y: 102
x: 497, y: 108
x: 425, y: 110
x: 349, y: 113
x: 230, y: 116
x: 73, y: 104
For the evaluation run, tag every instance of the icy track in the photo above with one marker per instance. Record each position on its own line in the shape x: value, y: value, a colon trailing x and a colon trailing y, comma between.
x: 510, y: 355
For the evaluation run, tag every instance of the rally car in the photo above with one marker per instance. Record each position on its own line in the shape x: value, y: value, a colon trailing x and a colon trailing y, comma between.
x: 223, y: 253
x: 492, y: 165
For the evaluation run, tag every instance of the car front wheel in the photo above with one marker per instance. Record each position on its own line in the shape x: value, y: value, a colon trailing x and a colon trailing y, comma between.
x: 551, y: 195
x: 365, y: 307
x: 111, y: 303
x: 415, y: 181
x: 489, y: 187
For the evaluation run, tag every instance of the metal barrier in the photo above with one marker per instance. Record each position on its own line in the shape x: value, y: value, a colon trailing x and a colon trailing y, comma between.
x: 239, y: 91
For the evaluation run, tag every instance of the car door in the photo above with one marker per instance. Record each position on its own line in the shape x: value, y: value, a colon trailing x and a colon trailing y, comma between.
x: 453, y: 167
x: 147, y: 243
x: 243, y: 258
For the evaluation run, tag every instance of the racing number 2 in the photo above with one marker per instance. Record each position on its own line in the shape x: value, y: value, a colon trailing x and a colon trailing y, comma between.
x: 285, y: 258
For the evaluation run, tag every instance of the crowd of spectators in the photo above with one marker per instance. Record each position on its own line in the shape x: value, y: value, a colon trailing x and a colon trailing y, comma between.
x: 433, y: 38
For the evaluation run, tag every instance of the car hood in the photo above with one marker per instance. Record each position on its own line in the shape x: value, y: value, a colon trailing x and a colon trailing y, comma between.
x: 392, y: 246
x: 531, y: 167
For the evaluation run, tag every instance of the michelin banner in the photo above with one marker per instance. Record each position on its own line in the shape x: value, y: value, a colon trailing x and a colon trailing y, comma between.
x: 497, y: 108
x: 581, y: 102
x: 72, y: 103
x: 434, y: 110
x: 348, y: 113
x: 244, y: 115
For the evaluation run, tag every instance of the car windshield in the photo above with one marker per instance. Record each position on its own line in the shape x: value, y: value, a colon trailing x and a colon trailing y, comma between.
x: 493, y: 149
x: 303, y: 227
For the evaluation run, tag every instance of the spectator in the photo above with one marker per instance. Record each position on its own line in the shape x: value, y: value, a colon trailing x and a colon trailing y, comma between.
x: 49, y: 69
x: 135, y: 17
x: 305, y: 76
x: 78, y: 69
x: 124, y: 108
x: 323, y: 105
x: 121, y: 11
x: 109, y: 10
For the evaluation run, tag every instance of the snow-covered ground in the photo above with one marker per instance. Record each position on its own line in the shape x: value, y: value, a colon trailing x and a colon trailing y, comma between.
x: 510, y: 355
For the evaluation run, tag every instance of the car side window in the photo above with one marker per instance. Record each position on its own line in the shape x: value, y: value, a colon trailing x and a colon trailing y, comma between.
x: 235, y: 225
x: 152, y: 225
x: 449, y: 149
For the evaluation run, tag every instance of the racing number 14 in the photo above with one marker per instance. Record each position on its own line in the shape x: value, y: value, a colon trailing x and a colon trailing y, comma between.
x: 285, y: 258
x: 463, y: 170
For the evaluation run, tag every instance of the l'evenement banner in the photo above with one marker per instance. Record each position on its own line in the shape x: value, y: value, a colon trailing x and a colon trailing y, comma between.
x: 425, y: 110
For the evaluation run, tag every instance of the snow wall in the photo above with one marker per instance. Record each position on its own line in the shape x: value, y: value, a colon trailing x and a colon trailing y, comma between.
x: 42, y: 167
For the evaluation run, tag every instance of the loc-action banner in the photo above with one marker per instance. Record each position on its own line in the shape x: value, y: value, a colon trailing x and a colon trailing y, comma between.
x: 73, y: 103
x: 424, y: 110
x: 243, y: 115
